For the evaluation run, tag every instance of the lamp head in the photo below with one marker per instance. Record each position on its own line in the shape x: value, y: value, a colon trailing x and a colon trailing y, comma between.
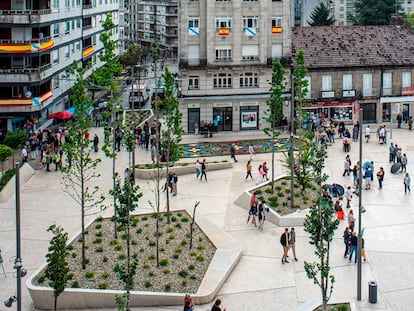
x: 8, y: 303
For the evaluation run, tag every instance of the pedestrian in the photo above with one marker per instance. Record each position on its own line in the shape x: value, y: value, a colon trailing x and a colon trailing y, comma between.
x: 265, y: 170
x: 346, y: 142
x: 233, y: 152
x: 367, y: 134
x: 407, y: 183
x: 347, y: 165
x: 398, y: 153
x: 253, y: 199
x: 348, y: 196
x: 174, y: 180
x: 203, y: 170
x: 260, y: 215
x: 380, y: 176
x: 56, y: 160
x: 351, y: 220
x: 347, y: 237
x: 188, y: 303
x: 153, y: 153
x: 95, y: 142
x: 353, y: 242
x: 404, y: 161
x: 251, y: 151
x: 355, y: 174
x: 368, y: 175
x: 249, y: 169
x: 198, y: 168
x: 262, y: 174
x: 292, y: 242
x: 392, y: 153
x: 216, y: 306
x: 410, y: 123
x: 399, y: 120
x: 48, y: 160
x: 284, y: 240
x: 363, y: 249
x: 24, y: 154
x: 339, y: 211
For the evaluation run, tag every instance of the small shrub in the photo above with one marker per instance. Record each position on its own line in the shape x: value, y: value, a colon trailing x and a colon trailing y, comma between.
x: 173, y: 219
x: 280, y: 194
x: 124, y: 236
x: 89, y: 275
x: 305, y: 198
x: 183, y: 273
x: 178, y: 226
x: 296, y: 194
x: 41, y: 279
x: 268, y: 190
x: 86, y: 246
x: 296, y: 206
x: 166, y: 271
x: 113, y: 242
x: 144, y: 218
x: 184, y: 219
x: 99, y: 219
x: 118, y: 248
x: 164, y: 262
x: 74, y: 284
x: 175, y: 256
x: 74, y: 255
x: 169, y: 230
x: 69, y: 247
x: 97, y: 241
x: 152, y: 243
x: 162, y: 249
x: 99, y: 249
x: 121, y: 256
x: 120, y: 228
x: 151, y: 257
x: 193, y: 254
x: 98, y: 234
x: 146, y: 266
x: 259, y: 191
x: 106, y: 275
x: 141, y: 250
x: 86, y: 232
x: 201, y: 247
x: 171, y: 236
x: 134, y: 242
x: 188, y: 235
x: 102, y: 286
x: 70, y: 276
x: 150, y: 274
x: 138, y: 231
x: 183, y: 243
x: 200, y: 239
x: 154, y: 215
x: 80, y: 240
x: 200, y: 258
x: 147, y: 284
x: 98, y: 226
x: 191, y: 267
x: 183, y: 283
x: 193, y: 276
x: 167, y: 287
x: 178, y: 250
x: 105, y: 259
x: 287, y: 190
x: 179, y: 214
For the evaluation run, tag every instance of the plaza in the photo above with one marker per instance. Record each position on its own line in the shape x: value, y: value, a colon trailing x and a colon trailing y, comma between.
x: 259, y: 281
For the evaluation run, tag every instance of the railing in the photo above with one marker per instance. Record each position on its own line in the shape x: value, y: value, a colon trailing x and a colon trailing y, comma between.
x: 25, y: 70
x: 34, y: 40
x: 25, y: 12
x: 369, y: 92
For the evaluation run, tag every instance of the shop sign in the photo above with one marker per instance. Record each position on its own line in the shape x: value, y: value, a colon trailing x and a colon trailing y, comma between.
x: 348, y: 93
x: 222, y: 105
x: 408, y: 90
x: 197, y: 105
x: 327, y: 94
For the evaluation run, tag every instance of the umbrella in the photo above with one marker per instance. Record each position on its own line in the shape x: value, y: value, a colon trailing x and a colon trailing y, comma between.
x: 62, y: 115
x: 395, y: 168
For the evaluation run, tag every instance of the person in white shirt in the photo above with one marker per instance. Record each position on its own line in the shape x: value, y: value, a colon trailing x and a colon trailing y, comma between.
x: 367, y: 133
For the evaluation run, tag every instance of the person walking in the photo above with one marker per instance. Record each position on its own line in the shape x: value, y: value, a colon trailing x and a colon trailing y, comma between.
x: 198, y: 168
x: 368, y: 174
x: 284, y: 241
x: 233, y: 152
x: 407, y: 183
x: 203, y: 170
x: 351, y: 220
x: 380, y: 176
x: 404, y: 162
x: 253, y: 212
x: 348, y: 196
x: 347, y: 165
x: 392, y: 152
x: 261, y: 216
x: 367, y: 134
x: 216, y: 306
x: 249, y: 169
x: 153, y: 153
x: 95, y: 142
x: 188, y: 303
x: 251, y: 151
x: 353, y: 241
x: 347, y: 237
x: 174, y: 180
x: 253, y: 199
x: 292, y: 242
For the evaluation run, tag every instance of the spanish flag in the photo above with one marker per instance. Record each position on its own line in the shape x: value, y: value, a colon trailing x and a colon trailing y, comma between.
x: 277, y: 29
x: 223, y: 31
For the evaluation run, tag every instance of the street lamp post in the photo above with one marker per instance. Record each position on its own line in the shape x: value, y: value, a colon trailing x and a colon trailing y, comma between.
x: 18, y: 260
x: 360, y: 210
x: 292, y: 133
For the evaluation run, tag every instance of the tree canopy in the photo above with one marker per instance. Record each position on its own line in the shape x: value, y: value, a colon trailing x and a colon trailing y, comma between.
x: 375, y: 12
x: 321, y: 16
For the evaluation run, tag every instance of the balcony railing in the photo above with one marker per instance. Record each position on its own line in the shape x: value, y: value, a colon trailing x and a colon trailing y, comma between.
x: 35, y: 45
x: 25, y: 12
x: 25, y: 70
x: 19, y: 102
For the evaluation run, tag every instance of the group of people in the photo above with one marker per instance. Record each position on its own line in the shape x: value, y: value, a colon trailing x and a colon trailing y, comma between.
x: 351, y: 245
x: 189, y: 304
x: 257, y: 211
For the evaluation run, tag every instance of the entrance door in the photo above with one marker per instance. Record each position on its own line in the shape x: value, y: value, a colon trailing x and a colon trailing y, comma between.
x: 225, y: 117
x: 193, y: 117
x: 369, y: 113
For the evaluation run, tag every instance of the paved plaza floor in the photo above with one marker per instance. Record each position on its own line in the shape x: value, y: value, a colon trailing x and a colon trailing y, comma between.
x: 259, y: 281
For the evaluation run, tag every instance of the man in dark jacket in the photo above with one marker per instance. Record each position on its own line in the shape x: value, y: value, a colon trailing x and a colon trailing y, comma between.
x: 284, y: 239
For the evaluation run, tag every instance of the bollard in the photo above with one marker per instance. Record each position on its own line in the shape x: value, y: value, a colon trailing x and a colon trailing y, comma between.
x: 372, y: 291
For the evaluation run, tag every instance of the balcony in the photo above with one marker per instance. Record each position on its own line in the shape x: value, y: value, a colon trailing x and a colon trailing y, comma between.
x: 25, y: 102
x: 369, y: 92
x: 32, y: 46
x: 88, y: 51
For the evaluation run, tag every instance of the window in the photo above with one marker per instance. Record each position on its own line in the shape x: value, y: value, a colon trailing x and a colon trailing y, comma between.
x: 367, y: 85
x: 387, y: 83
x: 67, y: 52
x: 223, y: 0
x: 55, y: 5
x: 194, y: 22
x: 250, y: 0
x: 55, y: 82
x: 250, y: 22
x: 308, y: 87
x: 223, y: 54
x: 193, y: 83
x: 223, y: 22
x: 78, y: 23
x: 249, y: 79
x: 193, y: 55
x: 327, y: 83
x: 55, y: 56
x: 347, y: 82
x: 406, y: 79
x: 222, y: 80
x: 67, y: 27
x: 250, y: 52
x: 78, y: 46
x: 276, y: 21
x: 67, y: 4
x: 55, y: 30
x: 277, y: 51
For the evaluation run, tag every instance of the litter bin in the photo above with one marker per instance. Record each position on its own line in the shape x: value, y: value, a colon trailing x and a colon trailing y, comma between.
x: 372, y: 292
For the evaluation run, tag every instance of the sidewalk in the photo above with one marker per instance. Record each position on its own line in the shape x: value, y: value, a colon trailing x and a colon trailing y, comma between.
x: 259, y: 281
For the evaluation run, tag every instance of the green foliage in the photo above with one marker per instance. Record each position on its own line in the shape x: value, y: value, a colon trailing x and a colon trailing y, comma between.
x: 166, y: 271
x: 132, y: 56
x: 5, y: 152
x: 191, y: 267
x: 183, y: 283
x: 89, y: 275
x: 321, y: 16
x: 321, y: 224
x: 102, y: 285
x: 372, y: 12
x: 57, y: 270
x: 74, y: 284
x: 183, y: 273
x: 164, y: 262
x: 167, y: 287
x: 15, y: 139
x: 6, y: 178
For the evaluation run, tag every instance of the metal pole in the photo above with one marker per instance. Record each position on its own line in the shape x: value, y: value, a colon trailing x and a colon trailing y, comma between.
x: 390, y: 120
x: 359, y: 274
x: 18, y: 260
x: 292, y: 132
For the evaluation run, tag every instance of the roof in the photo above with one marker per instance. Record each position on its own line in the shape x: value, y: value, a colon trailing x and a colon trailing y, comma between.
x: 354, y: 46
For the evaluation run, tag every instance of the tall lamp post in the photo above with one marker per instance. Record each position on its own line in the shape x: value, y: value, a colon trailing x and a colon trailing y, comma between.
x: 360, y: 210
x: 292, y: 133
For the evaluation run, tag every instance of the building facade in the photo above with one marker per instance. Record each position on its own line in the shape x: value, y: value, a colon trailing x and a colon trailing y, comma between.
x: 354, y: 67
x: 39, y: 40
x: 225, y: 57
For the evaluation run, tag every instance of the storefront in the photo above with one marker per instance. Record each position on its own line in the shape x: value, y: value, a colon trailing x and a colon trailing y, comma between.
x: 193, y: 119
x: 336, y: 111
x: 249, y: 116
x: 223, y: 116
x: 403, y: 108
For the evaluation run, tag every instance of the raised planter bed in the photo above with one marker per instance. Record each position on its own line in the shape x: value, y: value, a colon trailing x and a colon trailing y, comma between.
x: 26, y: 172
x: 180, y: 169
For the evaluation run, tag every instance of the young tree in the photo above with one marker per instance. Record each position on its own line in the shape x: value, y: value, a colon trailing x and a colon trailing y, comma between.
x: 321, y: 224
x: 300, y: 85
x: 5, y: 152
x: 274, y: 112
x: 80, y: 174
x: 57, y: 271
x: 173, y: 130
x: 321, y: 16
x: 15, y: 140
x: 372, y: 12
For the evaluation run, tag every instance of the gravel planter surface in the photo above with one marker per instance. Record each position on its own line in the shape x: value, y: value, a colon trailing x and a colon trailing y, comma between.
x: 181, y: 269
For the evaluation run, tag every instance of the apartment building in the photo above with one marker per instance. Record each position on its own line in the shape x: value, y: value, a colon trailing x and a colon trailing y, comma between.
x: 225, y: 57
x: 352, y: 67
x: 155, y: 20
x: 39, y: 40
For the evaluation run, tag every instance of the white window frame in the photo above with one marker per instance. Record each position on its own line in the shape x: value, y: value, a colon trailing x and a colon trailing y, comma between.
x: 367, y: 84
x: 56, y: 30
x: 247, y: 57
x: 251, y: 22
x: 223, y: 22
x: 249, y: 80
x: 193, y: 82
x: 222, y: 80
x: 406, y: 79
x: 327, y: 83
x: 347, y: 82
x: 386, y: 83
x: 277, y: 21
x: 308, y: 87
x: 55, y: 57
x: 194, y: 21
x: 223, y: 54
